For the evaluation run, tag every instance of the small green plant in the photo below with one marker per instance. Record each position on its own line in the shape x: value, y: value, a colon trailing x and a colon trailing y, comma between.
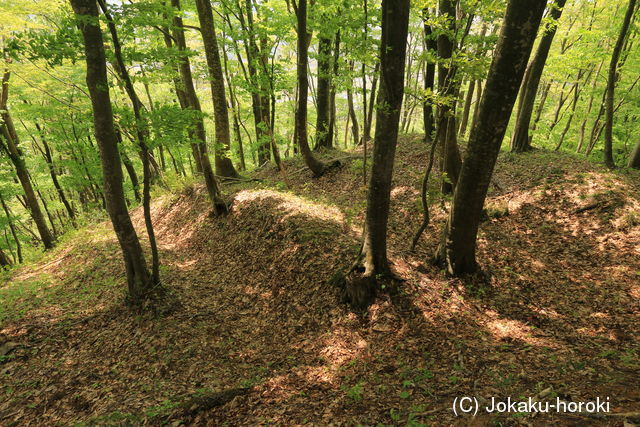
x: 496, y: 211
x: 355, y: 392
x: 357, y: 165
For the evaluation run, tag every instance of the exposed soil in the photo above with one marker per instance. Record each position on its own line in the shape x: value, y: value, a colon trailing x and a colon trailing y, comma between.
x: 253, y: 331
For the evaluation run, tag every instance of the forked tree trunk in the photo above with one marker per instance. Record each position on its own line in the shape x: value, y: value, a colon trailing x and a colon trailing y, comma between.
x: 520, y: 140
x: 316, y: 166
x: 138, y: 277
x: 361, y: 290
x: 457, y: 251
x: 611, y: 85
x: 142, y: 134
x: 222, y: 148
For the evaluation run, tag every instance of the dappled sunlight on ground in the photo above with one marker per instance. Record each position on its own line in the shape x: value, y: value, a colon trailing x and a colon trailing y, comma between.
x: 253, y: 304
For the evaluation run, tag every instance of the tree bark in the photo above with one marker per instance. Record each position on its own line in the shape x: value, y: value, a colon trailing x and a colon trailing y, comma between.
x: 395, y: 19
x: 224, y: 166
x: 457, y: 250
x: 520, y: 140
x: 12, y: 149
x: 611, y: 85
x: 12, y: 227
x: 467, y: 108
x: 192, y: 102
x: 142, y: 134
x: 634, y: 159
x: 234, y: 111
x: 323, y: 130
x: 48, y: 156
x: 431, y: 46
x: 316, y: 166
x: 450, y: 161
x: 139, y: 281
x: 333, y: 120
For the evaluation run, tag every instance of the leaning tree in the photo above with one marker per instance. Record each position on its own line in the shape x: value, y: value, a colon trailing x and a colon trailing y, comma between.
x: 457, y: 250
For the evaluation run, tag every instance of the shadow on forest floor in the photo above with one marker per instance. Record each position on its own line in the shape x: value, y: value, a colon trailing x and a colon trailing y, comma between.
x: 255, y: 307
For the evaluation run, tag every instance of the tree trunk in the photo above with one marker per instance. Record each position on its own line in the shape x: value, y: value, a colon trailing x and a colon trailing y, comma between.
x: 138, y: 278
x: 634, y: 159
x: 12, y: 149
x: 234, y: 111
x: 48, y: 156
x: 131, y: 171
x: 395, y: 20
x: 323, y: 138
x: 447, y: 142
x: 355, y: 129
x: 333, y: 120
x: 314, y: 164
x: 372, y: 101
x: 457, y: 251
x: 611, y: 85
x: 429, y: 78
x: 192, y: 102
x: 222, y: 148
x: 520, y: 140
x: 142, y: 133
x: 253, y: 55
x: 12, y: 227
x: 467, y: 107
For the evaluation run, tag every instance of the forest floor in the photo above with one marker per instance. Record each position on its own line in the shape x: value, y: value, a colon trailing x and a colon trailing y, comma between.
x: 253, y: 332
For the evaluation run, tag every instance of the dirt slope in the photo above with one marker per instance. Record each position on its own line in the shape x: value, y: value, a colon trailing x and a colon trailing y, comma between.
x: 252, y: 307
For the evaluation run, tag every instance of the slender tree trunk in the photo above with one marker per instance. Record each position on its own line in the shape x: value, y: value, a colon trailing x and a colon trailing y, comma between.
x: 520, y: 140
x: 395, y: 19
x: 131, y: 171
x: 543, y: 100
x: 431, y: 46
x: 333, y: 131
x: 634, y: 159
x: 142, y: 134
x: 45, y: 207
x: 12, y: 149
x: 138, y: 278
x: 12, y: 227
x: 323, y: 138
x: 257, y: 98
x: 567, y: 126
x: 372, y: 100
x: 457, y: 251
x: 224, y: 166
x: 316, y: 166
x: 355, y: 129
x: 467, y: 108
x: 235, y: 112
x: 192, y: 102
x: 612, y: 78
x: 54, y: 176
x: 448, y: 88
